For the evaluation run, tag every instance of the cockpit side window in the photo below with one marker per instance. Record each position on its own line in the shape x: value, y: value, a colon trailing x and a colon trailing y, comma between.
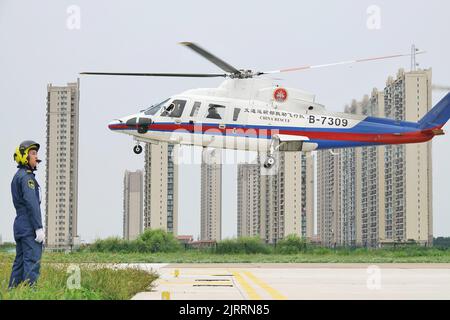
x: 195, y: 109
x: 175, y: 109
x: 155, y: 108
x: 167, y: 110
x: 131, y: 122
x: 215, y: 111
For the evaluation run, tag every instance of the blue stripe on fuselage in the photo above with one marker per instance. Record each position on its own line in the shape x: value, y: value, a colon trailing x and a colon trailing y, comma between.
x: 368, y: 125
x: 336, y: 144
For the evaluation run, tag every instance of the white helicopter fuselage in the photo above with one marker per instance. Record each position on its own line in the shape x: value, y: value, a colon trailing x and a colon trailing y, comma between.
x: 253, y: 115
x: 248, y: 116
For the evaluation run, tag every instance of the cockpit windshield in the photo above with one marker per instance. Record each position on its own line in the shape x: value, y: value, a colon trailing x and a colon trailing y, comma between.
x: 155, y: 108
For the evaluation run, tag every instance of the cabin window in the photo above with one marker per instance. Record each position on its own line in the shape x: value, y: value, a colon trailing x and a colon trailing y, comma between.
x: 175, y: 109
x: 215, y: 111
x: 236, y: 113
x: 195, y: 109
x: 155, y: 108
x: 132, y: 122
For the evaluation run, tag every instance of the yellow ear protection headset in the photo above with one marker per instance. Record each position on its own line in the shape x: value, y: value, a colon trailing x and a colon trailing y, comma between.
x: 21, y: 154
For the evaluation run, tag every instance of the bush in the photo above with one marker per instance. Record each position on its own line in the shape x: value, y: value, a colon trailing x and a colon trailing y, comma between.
x: 7, y: 246
x: 112, y: 244
x: 158, y: 241
x: 291, y: 244
x: 242, y: 245
x: 150, y: 241
x: 441, y: 242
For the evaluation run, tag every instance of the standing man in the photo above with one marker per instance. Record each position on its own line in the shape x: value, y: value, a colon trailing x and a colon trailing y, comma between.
x: 28, y: 230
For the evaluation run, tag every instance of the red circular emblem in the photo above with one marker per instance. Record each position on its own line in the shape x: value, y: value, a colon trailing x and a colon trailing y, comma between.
x: 280, y: 95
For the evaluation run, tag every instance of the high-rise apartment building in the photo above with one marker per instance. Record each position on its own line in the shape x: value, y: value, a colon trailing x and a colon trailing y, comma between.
x: 211, y: 195
x: 380, y: 194
x: 276, y: 205
x: 133, y: 203
x: 248, y: 199
x: 161, y: 187
x: 328, y: 197
x: 61, y: 212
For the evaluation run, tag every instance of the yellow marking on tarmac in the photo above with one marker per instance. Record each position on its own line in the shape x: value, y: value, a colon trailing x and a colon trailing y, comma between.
x: 165, y: 295
x: 273, y: 292
x: 248, y: 289
x: 167, y: 282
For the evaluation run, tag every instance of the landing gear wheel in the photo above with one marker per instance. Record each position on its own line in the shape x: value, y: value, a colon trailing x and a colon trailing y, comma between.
x: 270, y: 161
x: 137, y: 149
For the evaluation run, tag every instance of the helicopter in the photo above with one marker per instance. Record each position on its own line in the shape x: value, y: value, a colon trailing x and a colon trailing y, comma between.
x: 251, y: 113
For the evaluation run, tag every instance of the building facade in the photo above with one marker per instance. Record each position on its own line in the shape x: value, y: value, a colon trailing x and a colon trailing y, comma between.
x: 248, y: 199
x: 211, y: 195
x: 133, y: 204
x: 389, y: 187
x: 61, y: 212
x: 328, y: 197
x: 161, y: 187
x: 276, y: 205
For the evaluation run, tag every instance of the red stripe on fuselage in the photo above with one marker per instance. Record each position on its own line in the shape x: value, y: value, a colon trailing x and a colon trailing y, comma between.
x: 382, y: 138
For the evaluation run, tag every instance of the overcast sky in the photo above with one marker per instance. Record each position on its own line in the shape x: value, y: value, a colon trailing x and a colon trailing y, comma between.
x: 43, y: 42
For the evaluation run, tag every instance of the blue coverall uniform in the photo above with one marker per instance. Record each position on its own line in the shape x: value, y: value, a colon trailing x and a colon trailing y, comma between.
x: 26, y: 199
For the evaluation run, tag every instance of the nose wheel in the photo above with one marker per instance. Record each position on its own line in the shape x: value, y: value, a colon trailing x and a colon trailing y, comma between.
x: 270, y: 161
x: 137, y: 149
x: 270, y: 158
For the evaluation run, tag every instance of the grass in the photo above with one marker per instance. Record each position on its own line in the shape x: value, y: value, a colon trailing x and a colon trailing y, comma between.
x: 100, y: 282
x: 311, y: 255
x: 95, y: 283
x: 159, y: 246
x: 156, y: 246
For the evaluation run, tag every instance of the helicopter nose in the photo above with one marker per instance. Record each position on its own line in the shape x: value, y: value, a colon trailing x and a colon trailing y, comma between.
x: 116, y: 125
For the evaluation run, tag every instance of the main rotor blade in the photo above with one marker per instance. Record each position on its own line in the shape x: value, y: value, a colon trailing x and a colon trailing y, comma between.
x: 212, y: 58
x: 191, y: 75
x: 337, y: 63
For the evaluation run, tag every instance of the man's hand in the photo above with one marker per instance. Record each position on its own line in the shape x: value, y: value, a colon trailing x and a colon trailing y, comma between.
x: 40, y: 235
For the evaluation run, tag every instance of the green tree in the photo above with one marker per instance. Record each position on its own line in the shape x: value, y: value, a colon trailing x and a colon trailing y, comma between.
x: 291, y: 244
x: 157, y: 240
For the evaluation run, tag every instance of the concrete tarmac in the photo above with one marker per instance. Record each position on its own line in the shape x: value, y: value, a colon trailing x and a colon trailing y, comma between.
x: 297, y: 281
